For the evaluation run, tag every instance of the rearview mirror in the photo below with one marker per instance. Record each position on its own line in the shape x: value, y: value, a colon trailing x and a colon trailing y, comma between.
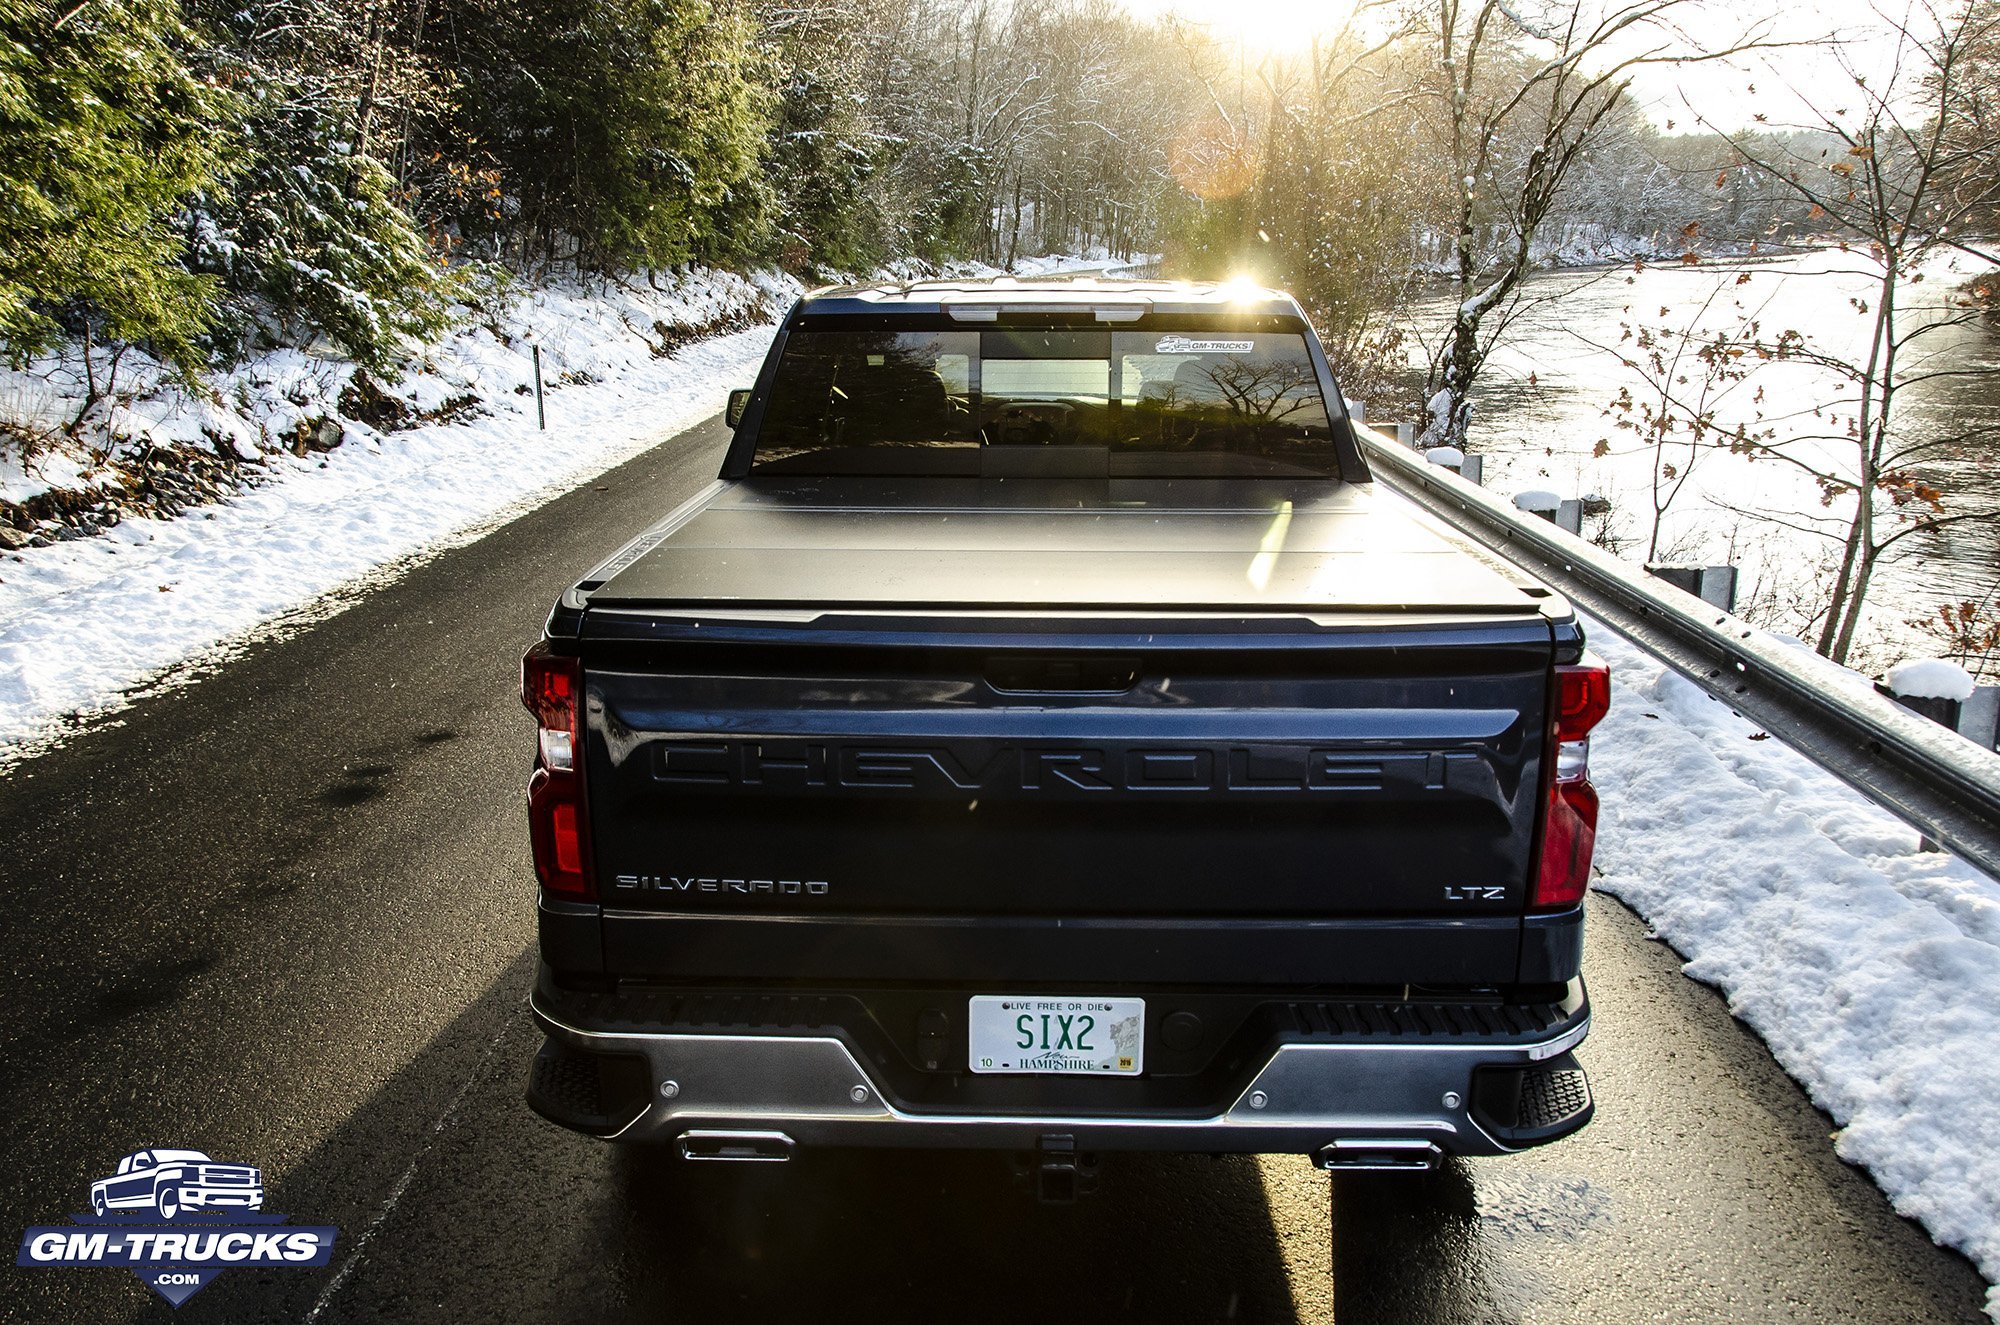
x: 739, y: 400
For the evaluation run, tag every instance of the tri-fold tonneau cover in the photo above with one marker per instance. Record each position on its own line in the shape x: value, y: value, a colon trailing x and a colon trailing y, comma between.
x: 1186, y: 545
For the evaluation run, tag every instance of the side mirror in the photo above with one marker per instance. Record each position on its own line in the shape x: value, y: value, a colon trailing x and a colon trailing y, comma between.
x: 739, y: 400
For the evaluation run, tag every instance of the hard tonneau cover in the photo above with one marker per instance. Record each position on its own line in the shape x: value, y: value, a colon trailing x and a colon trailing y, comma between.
x: 1283, y: 733
x: 1226, y: 545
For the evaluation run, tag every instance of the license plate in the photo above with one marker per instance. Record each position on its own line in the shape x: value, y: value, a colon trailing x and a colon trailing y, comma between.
x: 1088, y: 1036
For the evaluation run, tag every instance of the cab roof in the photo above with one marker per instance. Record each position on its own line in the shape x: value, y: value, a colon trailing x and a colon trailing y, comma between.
x: 1112, y: 301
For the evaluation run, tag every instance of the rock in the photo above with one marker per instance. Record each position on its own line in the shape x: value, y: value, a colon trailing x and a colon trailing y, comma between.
x: 12, y: 539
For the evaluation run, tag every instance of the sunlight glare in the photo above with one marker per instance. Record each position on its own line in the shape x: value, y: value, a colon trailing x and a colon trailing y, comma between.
x: 1240, y: 288
x: 1278, y: 26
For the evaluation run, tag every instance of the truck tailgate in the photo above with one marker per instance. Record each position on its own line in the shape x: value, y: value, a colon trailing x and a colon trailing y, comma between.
x: 1344, y: 795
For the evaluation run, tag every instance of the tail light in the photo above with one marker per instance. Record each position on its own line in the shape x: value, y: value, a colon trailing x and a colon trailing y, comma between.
x: 1569, y: 821
x: 552, y: 688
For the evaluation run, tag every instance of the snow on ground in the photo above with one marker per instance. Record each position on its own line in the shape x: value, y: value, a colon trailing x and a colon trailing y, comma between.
x: 1094, y: 259
x: 1055, y: 264
x: 84, y: 620
x: 1870, y: 967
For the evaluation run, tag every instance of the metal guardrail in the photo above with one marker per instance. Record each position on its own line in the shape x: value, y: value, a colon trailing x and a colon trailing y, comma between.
x: 1926, y: 775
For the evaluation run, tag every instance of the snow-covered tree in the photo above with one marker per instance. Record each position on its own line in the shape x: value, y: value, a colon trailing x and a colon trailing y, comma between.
x: 307, y: 233
x: 105, y: 133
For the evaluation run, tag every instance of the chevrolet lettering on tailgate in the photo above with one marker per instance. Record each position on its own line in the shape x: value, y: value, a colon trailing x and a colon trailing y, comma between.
x: 1248, y: 769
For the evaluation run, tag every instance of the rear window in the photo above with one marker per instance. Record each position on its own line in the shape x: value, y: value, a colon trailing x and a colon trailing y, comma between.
x: 1145, y: 404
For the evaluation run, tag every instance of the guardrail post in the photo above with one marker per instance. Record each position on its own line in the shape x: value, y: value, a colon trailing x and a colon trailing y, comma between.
x: 1979, y: 719
x: 1569, y: 517
x: 1685, y: 578
x: 1935, y: 688
x: 1472, y: 469
x: 1714, y: 585
x: 1930, y: 686
x: 1446, y: 457
x: 1718, y: 586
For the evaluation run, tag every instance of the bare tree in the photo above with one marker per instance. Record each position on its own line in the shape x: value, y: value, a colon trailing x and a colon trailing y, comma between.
x: 1914, y: 167
x: 1696, y: 397
x: 1521, y: 95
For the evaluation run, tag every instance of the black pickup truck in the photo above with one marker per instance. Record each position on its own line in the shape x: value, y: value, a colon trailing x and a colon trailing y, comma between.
x: 1045, y: 736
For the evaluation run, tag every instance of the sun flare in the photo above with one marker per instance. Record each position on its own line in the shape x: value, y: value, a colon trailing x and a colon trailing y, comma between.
x: 1277, y: 26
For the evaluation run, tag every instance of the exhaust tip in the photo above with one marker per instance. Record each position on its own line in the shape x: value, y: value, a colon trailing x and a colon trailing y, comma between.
x: 736, y: 1147
x: 1379, y: 1155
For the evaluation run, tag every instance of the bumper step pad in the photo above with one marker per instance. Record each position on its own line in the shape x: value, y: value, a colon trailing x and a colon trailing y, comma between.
x: 595, y: 1093
x: 1528, y: 1106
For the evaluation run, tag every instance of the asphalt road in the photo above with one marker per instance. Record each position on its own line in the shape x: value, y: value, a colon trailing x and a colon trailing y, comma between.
x: 283, y: 915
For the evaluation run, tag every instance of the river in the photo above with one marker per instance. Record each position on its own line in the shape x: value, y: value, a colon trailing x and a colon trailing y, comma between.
x: 1540, y: 416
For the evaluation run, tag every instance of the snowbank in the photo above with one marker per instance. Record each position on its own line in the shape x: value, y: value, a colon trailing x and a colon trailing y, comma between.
x: 83, y: 620
x: 1931, y: 678
x: 1870, y: 967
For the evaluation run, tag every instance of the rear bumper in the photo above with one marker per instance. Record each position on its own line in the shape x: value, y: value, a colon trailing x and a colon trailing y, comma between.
x: 1345, y: 1099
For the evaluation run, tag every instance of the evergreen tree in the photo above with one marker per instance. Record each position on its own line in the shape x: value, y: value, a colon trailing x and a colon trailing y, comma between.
x: 105, y: 133
x: 626, y: 132
x: 822, y: 157
x: 308, y: 235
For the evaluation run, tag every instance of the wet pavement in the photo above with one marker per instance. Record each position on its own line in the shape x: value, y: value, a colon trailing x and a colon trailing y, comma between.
x: 282, y: 915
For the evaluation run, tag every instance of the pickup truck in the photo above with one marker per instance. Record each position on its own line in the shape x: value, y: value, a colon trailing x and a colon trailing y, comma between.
x: 172, y: 1182
x: 1045, y: 736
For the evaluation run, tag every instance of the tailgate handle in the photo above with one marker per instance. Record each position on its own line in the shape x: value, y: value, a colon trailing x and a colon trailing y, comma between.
x: 1062, y: 674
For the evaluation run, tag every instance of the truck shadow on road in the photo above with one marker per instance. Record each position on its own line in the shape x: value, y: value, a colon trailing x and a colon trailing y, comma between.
x: 456, y: 1203
x: 926, y: 1236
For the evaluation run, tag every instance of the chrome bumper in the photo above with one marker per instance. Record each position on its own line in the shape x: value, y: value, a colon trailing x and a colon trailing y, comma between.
x: 1348, y: 1103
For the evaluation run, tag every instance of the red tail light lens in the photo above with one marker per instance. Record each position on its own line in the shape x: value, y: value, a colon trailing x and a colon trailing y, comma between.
x: 1569, y: 832
x: 1583, y: 697
x: 1569, y: 822
x: 558, y: 827
x: 549, y: 684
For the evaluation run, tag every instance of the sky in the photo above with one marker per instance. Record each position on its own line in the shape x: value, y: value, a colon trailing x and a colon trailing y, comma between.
x: 1727, y: 96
